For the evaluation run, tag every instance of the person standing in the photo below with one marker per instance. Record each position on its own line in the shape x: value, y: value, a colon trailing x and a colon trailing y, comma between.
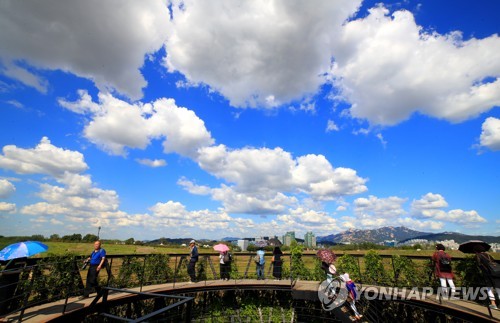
x: 442, y: 269
x: 225, y: 265
x: 277, y: 263
x: 260, y: 264
x: 489, y: 269
x: 191, y: 269
x: 96, y: 262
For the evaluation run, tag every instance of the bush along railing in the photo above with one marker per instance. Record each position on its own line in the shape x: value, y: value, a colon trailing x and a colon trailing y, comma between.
x: 60, y: 277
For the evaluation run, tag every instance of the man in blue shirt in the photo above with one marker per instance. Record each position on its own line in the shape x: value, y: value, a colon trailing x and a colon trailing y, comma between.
x: 192, y: 261
x: 260, y: 264
x: 96, y: 262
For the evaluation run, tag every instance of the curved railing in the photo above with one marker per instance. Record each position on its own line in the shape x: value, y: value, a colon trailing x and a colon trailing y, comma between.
x: 46, y: 280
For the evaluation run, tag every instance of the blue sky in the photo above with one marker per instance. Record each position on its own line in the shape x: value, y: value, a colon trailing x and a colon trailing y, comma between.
x: 245, y: 118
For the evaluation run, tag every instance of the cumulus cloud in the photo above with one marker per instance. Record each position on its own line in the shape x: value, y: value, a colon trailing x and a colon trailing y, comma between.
x: 374, y: 207
x: 175, y: 214
x: 265, y: 181
x: 388, y: 67
x: 6, y: 188
x: 257, y: 170
x: 76, y: 196
x: 431, y: 206
x: 116, y: 125
x: 102, y: 41
x: 257, y: 53
x: 7, y: 207
x: 428, y: 205
x: 152, y: 162
x: 45, y: 158
x: 490, y: 135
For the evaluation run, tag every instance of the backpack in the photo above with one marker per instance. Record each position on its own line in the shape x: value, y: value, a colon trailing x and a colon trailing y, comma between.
x: 227, y: 258
x: 444, y: 264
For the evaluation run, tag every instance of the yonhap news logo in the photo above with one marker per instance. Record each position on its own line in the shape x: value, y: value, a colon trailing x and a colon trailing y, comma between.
x: 332, y: 293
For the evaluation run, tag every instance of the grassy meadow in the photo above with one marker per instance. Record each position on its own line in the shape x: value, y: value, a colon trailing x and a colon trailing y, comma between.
x: 84, y: 248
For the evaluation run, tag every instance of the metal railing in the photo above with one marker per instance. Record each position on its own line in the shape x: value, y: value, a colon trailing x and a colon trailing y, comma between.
x: 45, y: 280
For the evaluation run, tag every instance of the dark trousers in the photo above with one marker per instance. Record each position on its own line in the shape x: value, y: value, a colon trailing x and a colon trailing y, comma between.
x: 277, y: 269
x: 192, y: 270
x: 260, y: 272
x: 91, y: 281
x: 225, y: 271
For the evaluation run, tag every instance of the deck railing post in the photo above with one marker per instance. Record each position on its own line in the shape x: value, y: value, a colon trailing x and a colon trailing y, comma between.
x: 143, y: 271
x: 26, y: 297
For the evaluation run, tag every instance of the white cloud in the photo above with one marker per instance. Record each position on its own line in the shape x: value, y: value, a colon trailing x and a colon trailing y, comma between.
x: 6, y: 188
x: 303, y: 220
x: 152, y: 162
x: 382, y: 140
x: 256, y: 53
x: 374, y: 208
x: 462, y: 217
x: 77, y: 197
x: 421, y: 225
x: 387, y: 67
x: 45, y: 158
x: 7, y: 207
x: 117, y: 125
x: 331, y: 126
x: 431, y: 206
x: 175, y: 214
x: 261, y: 175
x: 428, y: 202
x: 102, y: 41
x: 490, y: 135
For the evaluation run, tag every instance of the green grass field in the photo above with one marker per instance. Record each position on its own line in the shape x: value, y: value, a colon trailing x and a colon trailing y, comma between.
x: 82, y: 248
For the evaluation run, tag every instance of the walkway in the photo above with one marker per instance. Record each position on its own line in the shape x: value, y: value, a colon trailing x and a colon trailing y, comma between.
x: 301, y: 290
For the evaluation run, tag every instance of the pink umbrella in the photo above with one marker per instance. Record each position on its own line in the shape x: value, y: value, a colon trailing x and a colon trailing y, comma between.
x: 221, y: 247
x: 326, y: 255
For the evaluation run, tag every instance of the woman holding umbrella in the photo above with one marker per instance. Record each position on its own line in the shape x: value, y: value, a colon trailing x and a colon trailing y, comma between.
x: 327, y: 258
x: 490, y: 270
x: 225, y: 259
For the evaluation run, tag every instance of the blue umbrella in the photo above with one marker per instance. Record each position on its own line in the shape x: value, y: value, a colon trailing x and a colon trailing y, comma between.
x: 22, y: 249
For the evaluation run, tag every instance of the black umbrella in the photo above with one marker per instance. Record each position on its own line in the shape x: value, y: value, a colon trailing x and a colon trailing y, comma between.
x: 275, y: 242
x: 470, y: 246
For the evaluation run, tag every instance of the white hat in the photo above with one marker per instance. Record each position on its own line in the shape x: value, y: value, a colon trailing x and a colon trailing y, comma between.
x: 345, y: 277
x: 192, y: 241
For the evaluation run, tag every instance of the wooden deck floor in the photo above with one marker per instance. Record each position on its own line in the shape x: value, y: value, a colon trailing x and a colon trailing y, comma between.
x: 301, y: 289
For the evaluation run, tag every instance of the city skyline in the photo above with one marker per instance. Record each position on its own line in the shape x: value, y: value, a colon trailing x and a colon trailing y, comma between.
x: 201, y: 119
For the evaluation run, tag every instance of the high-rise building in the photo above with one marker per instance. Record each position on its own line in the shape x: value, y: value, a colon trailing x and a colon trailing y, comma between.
x: 288, y: 238
x: 310, y: 240
x: 243, y: 244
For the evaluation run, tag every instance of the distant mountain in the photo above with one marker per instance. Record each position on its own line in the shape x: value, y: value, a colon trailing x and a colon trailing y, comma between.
x: 400, y: 234
x: 230, y: 239
x: 175, y: 241
x: 458, y: 237
x: 374, y: 235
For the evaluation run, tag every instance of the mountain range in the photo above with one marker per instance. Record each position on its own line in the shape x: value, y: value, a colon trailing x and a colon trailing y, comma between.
x: 399, y: 234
